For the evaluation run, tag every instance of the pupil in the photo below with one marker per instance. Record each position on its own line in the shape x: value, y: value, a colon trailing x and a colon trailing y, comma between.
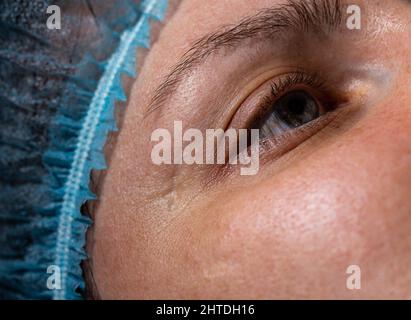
x: 297, y: 105
x: 297, y: 108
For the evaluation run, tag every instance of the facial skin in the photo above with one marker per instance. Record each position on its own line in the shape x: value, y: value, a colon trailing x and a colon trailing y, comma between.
x: 337, y: 197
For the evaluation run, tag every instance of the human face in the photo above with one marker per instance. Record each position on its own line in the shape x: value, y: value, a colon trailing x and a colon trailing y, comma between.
x: 331, y: 193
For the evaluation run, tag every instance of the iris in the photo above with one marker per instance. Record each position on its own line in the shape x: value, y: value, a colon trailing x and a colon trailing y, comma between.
x: 290, y: 111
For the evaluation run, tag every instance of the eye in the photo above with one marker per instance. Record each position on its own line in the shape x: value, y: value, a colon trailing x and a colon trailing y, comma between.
x: 292, y: 110
x: 280, y: 106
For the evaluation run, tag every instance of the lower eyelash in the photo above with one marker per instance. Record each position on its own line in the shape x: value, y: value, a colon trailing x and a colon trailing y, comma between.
x: 274, y: 147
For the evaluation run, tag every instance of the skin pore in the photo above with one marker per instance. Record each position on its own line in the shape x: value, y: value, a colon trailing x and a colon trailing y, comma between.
x: 333, y: 193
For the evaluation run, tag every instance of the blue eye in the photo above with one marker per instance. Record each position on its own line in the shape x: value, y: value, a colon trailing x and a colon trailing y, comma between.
x: 293, y: 110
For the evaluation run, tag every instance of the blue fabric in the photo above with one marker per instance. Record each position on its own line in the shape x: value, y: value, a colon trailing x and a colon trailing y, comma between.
x: 57, y: 94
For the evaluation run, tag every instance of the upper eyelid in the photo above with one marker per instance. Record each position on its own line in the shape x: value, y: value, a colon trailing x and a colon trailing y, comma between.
x: 277, y: 93
x: 295, y: 78
x: 296, y: 15
x: 319, y: 88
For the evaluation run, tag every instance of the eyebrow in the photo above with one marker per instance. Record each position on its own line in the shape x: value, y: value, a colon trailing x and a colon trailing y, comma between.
x: 304, y: 16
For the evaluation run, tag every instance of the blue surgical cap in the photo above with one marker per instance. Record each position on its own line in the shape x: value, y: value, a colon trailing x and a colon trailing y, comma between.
x: 58, y: 89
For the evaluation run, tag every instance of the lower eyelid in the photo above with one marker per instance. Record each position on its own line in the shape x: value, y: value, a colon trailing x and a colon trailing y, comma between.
x: 274, y: 147
x: 272, y: 150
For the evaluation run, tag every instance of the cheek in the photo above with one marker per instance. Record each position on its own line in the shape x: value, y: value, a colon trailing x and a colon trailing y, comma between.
x: 295, y: 235
x: 291, y: 235
x: 276, y: 241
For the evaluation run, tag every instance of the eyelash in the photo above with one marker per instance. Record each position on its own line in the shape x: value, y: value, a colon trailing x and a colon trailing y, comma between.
x: 283, y: 84
x: 293, y: 81
x: 321, y: 90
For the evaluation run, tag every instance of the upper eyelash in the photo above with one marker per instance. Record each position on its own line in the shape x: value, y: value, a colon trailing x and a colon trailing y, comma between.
x: 283, y: 84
